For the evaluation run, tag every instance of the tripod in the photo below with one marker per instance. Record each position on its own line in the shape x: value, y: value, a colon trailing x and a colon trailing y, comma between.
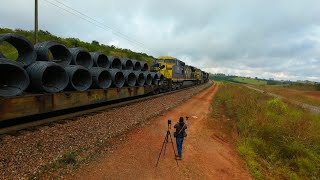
x: 164, y: 145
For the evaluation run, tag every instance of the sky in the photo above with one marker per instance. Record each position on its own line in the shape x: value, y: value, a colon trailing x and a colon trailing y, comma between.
x: 257, y: 38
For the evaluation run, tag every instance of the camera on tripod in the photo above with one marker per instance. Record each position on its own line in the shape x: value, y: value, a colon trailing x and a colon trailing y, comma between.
x: 166, y: 140
x: 169, y: 124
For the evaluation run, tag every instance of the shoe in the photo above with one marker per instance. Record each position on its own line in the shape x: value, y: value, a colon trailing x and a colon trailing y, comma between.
x: 178, y: 157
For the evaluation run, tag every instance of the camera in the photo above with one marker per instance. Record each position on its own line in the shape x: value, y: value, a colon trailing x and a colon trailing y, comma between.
x: 169, y: 121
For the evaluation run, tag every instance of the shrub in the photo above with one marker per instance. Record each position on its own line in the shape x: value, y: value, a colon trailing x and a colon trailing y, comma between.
x: 73, y: 42
x: 276, y: 139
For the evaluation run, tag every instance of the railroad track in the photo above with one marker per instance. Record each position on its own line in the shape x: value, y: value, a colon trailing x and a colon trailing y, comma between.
x: 67, y: 116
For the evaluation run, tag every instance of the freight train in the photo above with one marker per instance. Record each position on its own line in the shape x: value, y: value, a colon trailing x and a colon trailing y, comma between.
x: 177, y: 74
x: 49, y: 77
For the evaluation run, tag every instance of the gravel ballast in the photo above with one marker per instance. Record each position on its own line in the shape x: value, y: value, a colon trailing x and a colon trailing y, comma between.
x: 26, y: 154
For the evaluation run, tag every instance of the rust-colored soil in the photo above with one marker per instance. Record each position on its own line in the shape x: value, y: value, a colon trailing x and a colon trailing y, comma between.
x: 313, y: 94
x: 293, y: 94
x: 205, y: 154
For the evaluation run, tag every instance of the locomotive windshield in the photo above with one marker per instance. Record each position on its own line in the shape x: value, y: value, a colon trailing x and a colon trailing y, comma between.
x: 171, y: 61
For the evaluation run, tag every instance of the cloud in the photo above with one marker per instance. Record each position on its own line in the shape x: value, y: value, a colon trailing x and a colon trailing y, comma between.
x: 267, y: 39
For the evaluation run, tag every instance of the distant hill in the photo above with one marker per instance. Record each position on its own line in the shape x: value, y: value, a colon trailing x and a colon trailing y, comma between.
x: 73, y: 42
x: 299, y: 85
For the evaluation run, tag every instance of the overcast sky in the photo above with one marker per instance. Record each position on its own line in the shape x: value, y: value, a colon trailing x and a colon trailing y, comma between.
x: 264, y: 38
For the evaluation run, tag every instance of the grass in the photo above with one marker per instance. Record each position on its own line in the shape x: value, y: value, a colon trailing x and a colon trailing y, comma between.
x: 72, y: 160
x: 300, y: 94
x: 68, y: 159
x: 8, y: 51
x: 249, y: 81
x: 277, y: 140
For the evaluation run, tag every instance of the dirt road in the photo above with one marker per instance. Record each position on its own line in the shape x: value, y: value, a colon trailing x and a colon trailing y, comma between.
x: 205, y: 154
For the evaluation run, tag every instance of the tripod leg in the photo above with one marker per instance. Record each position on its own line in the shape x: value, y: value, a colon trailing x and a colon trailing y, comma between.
x: 173, y: 150
x: 172, y: 145
x: 163, y: 145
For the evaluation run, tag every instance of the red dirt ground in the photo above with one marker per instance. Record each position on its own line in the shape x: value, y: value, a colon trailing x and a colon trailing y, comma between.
x: 310, y: 94
x: 205, y: 154
x: 313, y: 94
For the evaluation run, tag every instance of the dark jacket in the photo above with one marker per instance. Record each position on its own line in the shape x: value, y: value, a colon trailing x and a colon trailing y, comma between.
x: 179, y: 126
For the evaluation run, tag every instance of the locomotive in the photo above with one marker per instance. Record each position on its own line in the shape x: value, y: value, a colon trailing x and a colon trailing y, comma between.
x: 177, y: 74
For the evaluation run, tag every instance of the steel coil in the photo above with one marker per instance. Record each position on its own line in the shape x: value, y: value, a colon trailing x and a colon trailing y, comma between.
x: 144, y: 66
x: 60, y: 53
x: 148, y: 78
x: 101, y: 78
x: 155, y: 78
x: 26, y: 52
x: 13, y: 78
x: 141, y: 79
x: 130, y: 78
x: 126, y: 63
x: 79, y: 77
x: 100, y: 60
x: 136, y: 65
x: 47, y: 77
x: 118, y: 79
x: 82, y: 57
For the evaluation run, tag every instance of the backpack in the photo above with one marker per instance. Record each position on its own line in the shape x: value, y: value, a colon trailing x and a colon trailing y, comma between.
x: 184, y: 134
x: 175, y: 134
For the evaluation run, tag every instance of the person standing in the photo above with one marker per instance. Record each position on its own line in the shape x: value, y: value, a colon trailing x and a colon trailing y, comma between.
x: 180, y: 134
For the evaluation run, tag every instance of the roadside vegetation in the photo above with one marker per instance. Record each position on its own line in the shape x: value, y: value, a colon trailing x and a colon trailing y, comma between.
x: 11, y: 53
x: 307, y: 94
x: 242, y: 80
x: 314, y: 86
x: 298, y: 85
x: 301, y: 91
x: 277, y: 140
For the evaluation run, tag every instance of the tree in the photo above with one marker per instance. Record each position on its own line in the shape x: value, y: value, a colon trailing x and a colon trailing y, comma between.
x: 94, y: 42
x: 75, y: 42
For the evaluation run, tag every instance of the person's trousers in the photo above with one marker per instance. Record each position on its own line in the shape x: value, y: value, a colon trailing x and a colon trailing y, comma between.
x: 179, y: 142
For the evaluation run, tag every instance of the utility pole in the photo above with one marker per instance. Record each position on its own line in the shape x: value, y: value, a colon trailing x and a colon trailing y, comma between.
x: 36, y: 21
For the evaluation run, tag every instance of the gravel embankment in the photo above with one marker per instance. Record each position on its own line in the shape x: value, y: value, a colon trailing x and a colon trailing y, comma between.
x: 28, y: 153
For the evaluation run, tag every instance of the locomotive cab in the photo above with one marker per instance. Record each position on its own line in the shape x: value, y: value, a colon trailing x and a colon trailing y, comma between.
x: 177, y: 74
x: 171, y: 68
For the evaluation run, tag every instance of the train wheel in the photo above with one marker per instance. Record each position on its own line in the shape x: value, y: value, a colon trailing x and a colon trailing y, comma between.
x: 156, y: 91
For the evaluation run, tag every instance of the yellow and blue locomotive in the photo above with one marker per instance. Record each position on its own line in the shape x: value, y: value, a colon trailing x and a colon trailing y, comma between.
x: 177, y: 74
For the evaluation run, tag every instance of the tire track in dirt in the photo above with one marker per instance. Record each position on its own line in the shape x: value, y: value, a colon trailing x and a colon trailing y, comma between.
x: 205, y: 155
